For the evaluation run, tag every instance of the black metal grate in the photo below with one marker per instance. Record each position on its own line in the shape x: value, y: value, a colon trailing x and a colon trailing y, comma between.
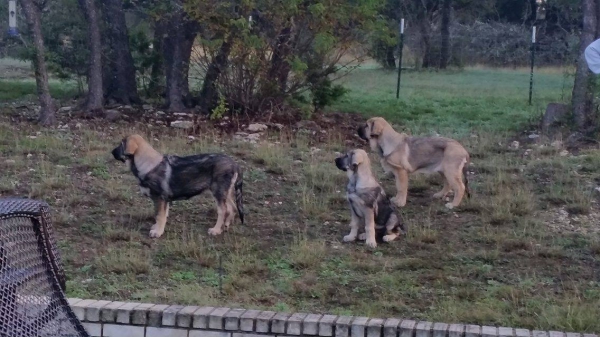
x: 32, y: 281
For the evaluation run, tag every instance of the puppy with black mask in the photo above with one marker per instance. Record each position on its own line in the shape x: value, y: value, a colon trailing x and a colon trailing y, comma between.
x: 369, y: 204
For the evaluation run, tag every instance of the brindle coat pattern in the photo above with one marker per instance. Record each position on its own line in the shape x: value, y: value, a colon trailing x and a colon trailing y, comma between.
x: 168, y: 178
x: 368, y: 202
x: 402, y: 155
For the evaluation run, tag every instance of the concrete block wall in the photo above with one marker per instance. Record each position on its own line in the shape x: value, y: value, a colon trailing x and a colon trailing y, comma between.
x: 121, y: 319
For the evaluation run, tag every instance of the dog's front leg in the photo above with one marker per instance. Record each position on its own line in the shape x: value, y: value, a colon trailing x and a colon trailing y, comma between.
x: 354, y: 222
x: 370, y: 229
x: 401, y: 176
x: 161, y: 210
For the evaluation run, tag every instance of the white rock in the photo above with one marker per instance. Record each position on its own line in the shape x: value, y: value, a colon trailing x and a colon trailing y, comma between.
x: 182, y: 124
x: 257, y: 127
x: 515, y: 145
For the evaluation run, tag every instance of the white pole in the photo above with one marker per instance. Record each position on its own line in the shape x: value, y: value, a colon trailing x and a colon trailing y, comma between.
x: 533, y: 35
x: 401, y: 26
x: 12, y: 14
x: 250, y: 21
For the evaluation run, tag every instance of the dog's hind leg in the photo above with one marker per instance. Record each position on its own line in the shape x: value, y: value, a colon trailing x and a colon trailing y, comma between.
x: 457, y: 185
x: 161, y: 210
x: 221, y: 215
x: 445, y: 190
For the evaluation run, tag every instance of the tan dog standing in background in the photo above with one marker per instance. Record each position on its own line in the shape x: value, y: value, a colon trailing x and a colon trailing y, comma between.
x: 402, y: 155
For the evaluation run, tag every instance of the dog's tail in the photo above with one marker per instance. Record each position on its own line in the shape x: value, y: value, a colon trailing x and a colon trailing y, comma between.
x: 239, y: 200
x: 466, y: 179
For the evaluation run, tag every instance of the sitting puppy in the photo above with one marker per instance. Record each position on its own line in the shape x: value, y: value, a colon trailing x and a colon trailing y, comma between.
x: 169, y: 178
x: 402, y: 155
x: 368, y: 202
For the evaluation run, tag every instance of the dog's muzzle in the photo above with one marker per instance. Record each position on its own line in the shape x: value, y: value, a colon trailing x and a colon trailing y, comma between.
x: 361, y: 133
x: 119, y: 153
x: 340, y: 164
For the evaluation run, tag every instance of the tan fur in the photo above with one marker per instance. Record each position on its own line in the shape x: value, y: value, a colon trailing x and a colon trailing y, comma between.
x: 402, y: 155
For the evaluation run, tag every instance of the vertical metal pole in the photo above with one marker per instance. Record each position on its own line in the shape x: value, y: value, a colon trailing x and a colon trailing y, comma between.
x: 12, y: 18
x: 401, y: 48
x: 532, y: 63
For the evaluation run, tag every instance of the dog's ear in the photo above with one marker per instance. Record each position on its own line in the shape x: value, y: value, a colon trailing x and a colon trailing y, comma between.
x: 130, y: 145
x: 376, y: 126
x: 355, y: 159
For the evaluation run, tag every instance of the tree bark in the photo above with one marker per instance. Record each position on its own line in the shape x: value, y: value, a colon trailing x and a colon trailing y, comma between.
x: 426, y: 43
x: 177, y: 50
x: 445, y: 30
x: 95, y: 97
x: 390, y: 58
x: 280, y: 68
x: 157, y: 73
x: 209, y: 94
x: 582, y: 97
x: 47, y: 109
x: 119, y: 82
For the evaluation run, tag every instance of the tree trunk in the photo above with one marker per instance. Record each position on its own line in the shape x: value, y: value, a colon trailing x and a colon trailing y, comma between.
x: 95, y: 97
x: 47, y: 109
x: 157, y: 74
x: 177, y: 50
x: 445, y: 30
x: 426, y: 43
x: 390, y: 58
x: 119, y: 82
x: 582, y: 97
x: 209, y: 95
x: 280, y: 68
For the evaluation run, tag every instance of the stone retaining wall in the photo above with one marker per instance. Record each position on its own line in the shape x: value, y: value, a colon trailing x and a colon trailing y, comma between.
x: 120, y: 319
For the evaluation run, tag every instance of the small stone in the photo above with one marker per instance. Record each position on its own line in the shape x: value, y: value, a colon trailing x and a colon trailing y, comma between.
x: 78, y: 125
x: 557, y: 144
x: 564, y: 153
x: 29, y: 155
x: 597, y: 189
x: 65, y: 109
x: 533, y: 136
x: 514, y: 145
x: 160, y: 113
x: 112, y: 115
x: 11, y: 161
x: 182, y: 124
x: 257, y: 127
x: 527, y: 152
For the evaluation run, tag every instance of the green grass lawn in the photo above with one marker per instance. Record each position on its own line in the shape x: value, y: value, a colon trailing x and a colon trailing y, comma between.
x: 523, y: 252
x: 454, y: 102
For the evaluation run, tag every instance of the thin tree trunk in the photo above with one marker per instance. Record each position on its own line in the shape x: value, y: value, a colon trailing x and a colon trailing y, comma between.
x: 445, y: 30
x: 279, y: 71
x: 582, y: 97
x: 426, y: 43
x: 209, y: 95
x: 390, y: 58
x: 120, y: 82
x: 95, y: 97
x: 157, y: 74
x: 47, y: 109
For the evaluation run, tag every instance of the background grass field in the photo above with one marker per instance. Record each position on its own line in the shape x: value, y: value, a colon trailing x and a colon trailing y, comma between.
x: 523, y: 252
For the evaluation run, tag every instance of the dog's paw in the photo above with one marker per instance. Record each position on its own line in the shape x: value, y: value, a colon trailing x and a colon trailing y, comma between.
x: 349, y: 238
x: 155, y: 233
x: 362, y: 236
x: 390, y: 238
x: 399, y: 203
x: 449, y: 205
x: 213, y: 231
x: 439, y: 195
x: 371, y: 243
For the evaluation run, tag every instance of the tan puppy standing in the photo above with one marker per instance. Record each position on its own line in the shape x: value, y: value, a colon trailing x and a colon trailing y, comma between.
x: 402, y: 155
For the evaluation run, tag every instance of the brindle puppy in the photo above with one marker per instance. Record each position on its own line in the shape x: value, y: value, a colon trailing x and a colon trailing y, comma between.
x: 368, y: 202
x: 169, y: 178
